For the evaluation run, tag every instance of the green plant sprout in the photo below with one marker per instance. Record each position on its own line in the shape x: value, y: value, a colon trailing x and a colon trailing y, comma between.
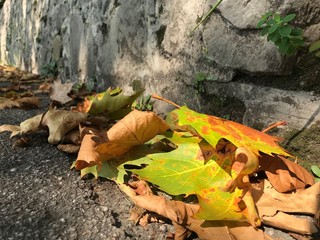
x: 198, y: 82
x: 315, y: 47
x: 49, y: 70
x: 144, y: 104
x: 278, y: 30
x: 316, y: 171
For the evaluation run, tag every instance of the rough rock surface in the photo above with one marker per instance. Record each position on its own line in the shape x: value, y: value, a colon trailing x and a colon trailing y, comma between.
x: 113, y: 43
x: 286, y: 105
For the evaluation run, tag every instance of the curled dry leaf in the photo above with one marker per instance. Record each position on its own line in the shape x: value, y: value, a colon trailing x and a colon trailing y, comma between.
x: 273, y: 206
x: 291, y: 223
x: 284, y: 174
x: 29, y: 125
x: 59, y: 123
x: 24, y: 102
x: 134, y: 129
x: 181, y: 216
x: 59, y: 91
x: 269, y: 201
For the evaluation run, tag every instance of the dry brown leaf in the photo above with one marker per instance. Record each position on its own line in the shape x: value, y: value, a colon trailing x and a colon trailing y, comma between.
x: 297, y: 236
x: 290, y: 223
x: 269, y: 201
x: 59, y: 91
x: 284, y: 174
x: 29, y: 76
x: 29, y: 125
x: 73, y: 137
x: 44, y: 87
x: 10, y: 128
x: 10, y: 88
x: 60, y: 122
x: 21, y: 142
x: 181, y: 216
x: 273, y: 205
x: 87, y: 155
x: 134, y: 129
x: 317, y: 219
x: 24, y: 102
x: 68, y: 148
x: 136, y: 214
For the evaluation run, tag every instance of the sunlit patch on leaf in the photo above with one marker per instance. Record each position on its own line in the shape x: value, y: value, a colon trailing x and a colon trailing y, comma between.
x: 212, y: 129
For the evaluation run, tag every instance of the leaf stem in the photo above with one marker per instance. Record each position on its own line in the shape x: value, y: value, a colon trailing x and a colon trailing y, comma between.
x: 281, y: 123
x: 155, y: 96
x: 206, y: 16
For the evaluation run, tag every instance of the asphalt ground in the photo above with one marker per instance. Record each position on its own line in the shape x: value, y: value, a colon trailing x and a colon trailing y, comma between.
x: 41, y: 198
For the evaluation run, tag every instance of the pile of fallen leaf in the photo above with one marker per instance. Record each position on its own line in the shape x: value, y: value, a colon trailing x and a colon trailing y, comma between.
x: 211, y: 176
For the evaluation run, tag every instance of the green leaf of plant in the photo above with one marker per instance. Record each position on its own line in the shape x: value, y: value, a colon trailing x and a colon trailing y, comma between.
x: 296, y: 41
x: 273, y: 29
x: 289, y: 18
x: 212, y: 129
x: 200, y: 76
x: 316, y: 170
x: 284, y: 45
x: 275, y: 36
x: 291, y: 50
x: 314, y: 46
x: 285, y: 30
x: 260, y: 23
x: 266, y: 15
x: 271, y: 22
x: 296, y: 32
x: 277, y: 18
x: 264, y: 31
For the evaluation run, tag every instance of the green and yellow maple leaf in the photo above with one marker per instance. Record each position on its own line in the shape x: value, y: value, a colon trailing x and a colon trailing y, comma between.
x: 111, y: 102
x: 186, y: 170
x: 212, y: 129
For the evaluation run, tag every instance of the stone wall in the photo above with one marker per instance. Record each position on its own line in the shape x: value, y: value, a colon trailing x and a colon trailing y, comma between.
x: 114, y: 42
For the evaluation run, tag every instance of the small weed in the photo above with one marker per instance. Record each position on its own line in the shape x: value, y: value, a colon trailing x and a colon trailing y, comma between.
x: 49, y: 70
x: 144, y: 104
x: 316, y: 171
x: 315, y: 47
x: 278, y: 30
x: 198, y: 82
